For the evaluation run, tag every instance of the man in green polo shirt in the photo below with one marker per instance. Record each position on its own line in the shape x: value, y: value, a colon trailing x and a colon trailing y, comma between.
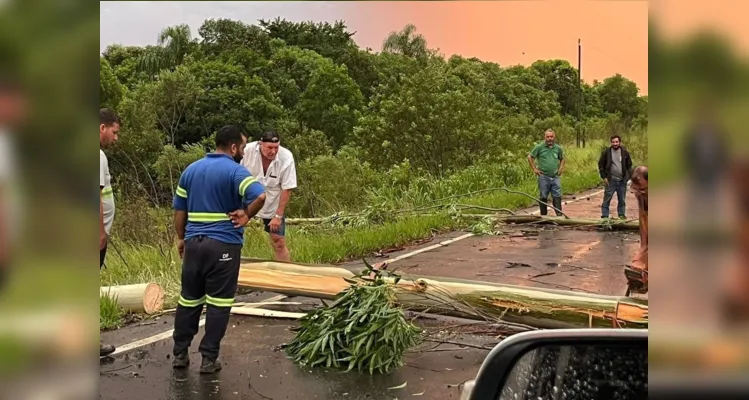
x: 547, y: 162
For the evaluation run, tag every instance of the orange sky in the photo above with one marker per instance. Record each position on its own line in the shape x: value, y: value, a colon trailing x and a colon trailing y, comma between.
x: 678, y: 18
x: 614, y: 34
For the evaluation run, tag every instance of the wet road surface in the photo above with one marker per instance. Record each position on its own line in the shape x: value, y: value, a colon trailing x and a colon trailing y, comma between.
x: 565, y: 259
x: 253, y: 369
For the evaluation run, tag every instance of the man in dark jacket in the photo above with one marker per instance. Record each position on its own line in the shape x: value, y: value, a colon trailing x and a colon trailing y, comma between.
x: 615, y: 168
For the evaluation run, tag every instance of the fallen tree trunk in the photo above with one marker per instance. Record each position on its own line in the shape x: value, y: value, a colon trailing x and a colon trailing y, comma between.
x: 561, y: 221
x: 138, y: 298
x: 258, y: 312
x: 297, y: 221
x: 537, y: 307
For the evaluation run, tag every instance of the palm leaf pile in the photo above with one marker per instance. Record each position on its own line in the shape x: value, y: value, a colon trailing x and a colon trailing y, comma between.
x: 363, y: 329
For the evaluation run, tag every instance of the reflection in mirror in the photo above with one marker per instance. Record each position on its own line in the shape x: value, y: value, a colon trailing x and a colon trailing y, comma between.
x: 600, y: 372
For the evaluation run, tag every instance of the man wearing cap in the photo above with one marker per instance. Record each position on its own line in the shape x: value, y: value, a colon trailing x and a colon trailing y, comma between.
x: 274, y: 167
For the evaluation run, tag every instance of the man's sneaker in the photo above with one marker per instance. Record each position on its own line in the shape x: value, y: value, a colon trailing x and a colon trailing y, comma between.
x: 181, y: 360
x: 210, y: 366
x: 105, y: 349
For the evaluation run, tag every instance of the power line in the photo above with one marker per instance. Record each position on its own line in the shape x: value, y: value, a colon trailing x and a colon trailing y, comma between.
x: 589, y: 46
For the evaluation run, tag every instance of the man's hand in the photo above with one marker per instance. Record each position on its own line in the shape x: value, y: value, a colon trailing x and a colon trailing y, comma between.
x: 537, y: 171
x: 102, y: 240
x: 239, y: 218
x: 275, y: 224
x: 606, y: 181
x: 181, y: 247
x: 559, y: 172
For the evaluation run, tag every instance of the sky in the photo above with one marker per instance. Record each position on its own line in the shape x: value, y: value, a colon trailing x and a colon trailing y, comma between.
x: 614, y: 34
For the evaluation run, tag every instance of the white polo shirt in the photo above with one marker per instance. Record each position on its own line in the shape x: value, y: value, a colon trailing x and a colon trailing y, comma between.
x: 9, y: 186
x: 281, y: 175
x: 107, y: 196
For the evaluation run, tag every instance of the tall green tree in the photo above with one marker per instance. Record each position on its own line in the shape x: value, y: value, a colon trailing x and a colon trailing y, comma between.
x: 406, y: 42
x: 174, y: 43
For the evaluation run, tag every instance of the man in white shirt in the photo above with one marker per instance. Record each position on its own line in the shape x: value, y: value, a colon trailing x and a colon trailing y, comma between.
x: 274, y: 167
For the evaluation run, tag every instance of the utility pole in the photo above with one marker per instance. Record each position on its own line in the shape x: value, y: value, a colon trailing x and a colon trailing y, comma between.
x: 579, y: 59
x: 580, y: 138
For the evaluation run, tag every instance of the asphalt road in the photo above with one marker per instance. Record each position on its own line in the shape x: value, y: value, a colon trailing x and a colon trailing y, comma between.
x: 253, y: 369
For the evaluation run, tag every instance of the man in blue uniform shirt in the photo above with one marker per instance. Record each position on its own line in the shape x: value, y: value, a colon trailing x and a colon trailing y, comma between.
x: 214, y: 200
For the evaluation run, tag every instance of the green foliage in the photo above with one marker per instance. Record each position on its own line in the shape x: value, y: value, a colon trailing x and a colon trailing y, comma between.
x: 369, y: 131
x: 110, y: 90
x: 172, y: 162
x: 371, y: 215
x: 332, y: 184
x: 330, y: 103
x: 485, y: 226
x: 431, y: 118
x: 362, y: 330
x: 110, y: 314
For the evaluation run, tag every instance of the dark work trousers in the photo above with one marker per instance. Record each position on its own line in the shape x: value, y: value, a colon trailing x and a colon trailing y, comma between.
x: 210, y: 270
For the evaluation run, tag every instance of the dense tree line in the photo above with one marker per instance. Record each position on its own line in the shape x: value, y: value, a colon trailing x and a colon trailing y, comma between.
x: 354, y: 118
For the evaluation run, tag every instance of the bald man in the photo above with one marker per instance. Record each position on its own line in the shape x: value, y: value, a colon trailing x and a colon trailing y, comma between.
x: 637, y: 272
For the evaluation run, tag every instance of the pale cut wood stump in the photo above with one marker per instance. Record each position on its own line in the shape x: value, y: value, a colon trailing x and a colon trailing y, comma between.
x: 145, y: 298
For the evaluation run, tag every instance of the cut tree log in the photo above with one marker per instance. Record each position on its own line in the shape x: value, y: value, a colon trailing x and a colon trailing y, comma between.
x: 561, y: 221
x: 537, y: 307
x: 138, y: 298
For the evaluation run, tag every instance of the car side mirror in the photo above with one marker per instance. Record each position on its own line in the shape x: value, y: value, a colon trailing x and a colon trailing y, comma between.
x: 590, y: 364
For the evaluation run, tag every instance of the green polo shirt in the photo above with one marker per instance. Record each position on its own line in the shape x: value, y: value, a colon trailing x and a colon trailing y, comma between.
x: 548, y: 158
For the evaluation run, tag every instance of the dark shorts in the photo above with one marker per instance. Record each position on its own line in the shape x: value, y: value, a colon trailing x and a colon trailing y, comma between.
x: 102, y: 255
x: 281, y: 230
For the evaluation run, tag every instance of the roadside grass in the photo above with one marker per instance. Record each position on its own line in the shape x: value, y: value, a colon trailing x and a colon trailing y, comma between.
x: 138, y: 263
x: 667, y: 131
x: 666, y: 137
x: 110, y: 314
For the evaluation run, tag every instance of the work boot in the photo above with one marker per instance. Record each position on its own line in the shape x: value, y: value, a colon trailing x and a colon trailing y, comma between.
x: 543, y: 207
x: 105, y: 349
x: 181, y: 360
x: 557, y: 202
x: 210, y: 366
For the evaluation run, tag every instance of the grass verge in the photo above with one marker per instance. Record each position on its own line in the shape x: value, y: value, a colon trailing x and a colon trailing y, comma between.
x: 110, y: 314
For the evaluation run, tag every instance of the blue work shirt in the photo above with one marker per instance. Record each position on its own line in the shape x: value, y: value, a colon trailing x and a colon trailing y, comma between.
x: 211, y: 188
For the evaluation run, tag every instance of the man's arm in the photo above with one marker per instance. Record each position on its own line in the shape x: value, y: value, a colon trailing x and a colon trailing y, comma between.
x: 629, y: 164
x: 180, y: 211
x: 282, y: 201
x: 4, y: 228
x: 254, y: 207
x: 180, y: 223
x: 602, y: 164
x: 102, y: 231
x: 288, y: 182
x: 102, y: 183
x: 531, y: 157
x: 252, y: 192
